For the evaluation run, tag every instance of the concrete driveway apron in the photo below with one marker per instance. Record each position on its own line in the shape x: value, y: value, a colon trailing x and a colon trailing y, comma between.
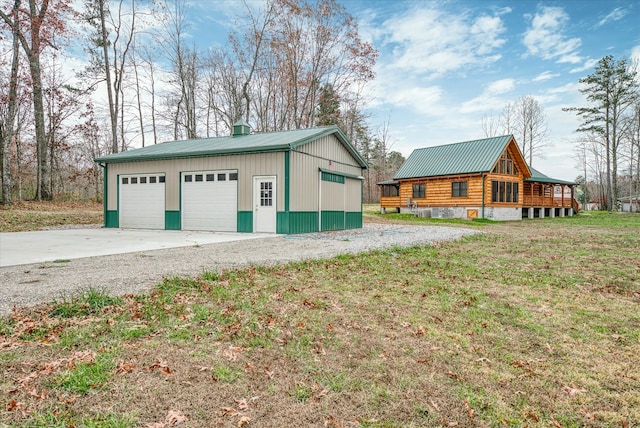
x: 18, y: 248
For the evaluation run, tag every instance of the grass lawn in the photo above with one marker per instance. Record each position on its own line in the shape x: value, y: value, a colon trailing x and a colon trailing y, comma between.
x: 533, y: 323
x: 31, y: 215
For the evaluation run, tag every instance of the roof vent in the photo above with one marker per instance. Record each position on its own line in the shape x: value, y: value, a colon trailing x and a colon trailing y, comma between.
x: 241, y: 128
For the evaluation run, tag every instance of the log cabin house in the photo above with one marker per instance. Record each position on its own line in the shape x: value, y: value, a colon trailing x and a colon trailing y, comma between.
x: 487, y: 178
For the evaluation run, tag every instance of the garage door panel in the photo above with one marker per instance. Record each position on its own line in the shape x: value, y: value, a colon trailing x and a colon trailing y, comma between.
x: 210, y: 201
x: 141, y: 201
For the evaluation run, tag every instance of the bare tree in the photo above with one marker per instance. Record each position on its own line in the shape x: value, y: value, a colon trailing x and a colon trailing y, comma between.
x: 290, y: 51
x: 491, y: 125
x: 530, y: 127
x: 7, y: 125
x: 43, y: 21
x: 110, y: 47
x: 184, y: 72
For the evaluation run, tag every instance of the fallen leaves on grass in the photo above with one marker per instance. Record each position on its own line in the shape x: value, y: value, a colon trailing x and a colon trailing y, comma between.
x: 231, y: 353
x: 162, y: 367
x: 125, y: 367
x: 173, y: 418
x: 572, y: 390
x: 86, y: 357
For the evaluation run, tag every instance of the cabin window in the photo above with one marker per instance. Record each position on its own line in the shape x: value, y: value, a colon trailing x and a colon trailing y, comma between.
x: 390, y: 190
x: 459, y: 189
x: 505, y: 165
x: 504, y: 191
x: 419, y: 190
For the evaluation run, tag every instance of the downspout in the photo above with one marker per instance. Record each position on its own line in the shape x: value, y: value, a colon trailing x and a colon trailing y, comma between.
x: 104, y: 193
x: 319, y: 201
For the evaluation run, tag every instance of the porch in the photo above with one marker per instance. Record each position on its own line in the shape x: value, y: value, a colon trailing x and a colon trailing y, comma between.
x: 548, y: 199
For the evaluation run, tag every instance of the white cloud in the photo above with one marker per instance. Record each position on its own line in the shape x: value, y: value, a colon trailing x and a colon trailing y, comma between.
x: 545, y: 37
x: 614, y: 15
x: 421, y: 99
x: 635, y: 54
x: 490, y: 99
x: 589, y: 64
x: 432, y: 42
x: 545, y: 76
x: 500, y: 87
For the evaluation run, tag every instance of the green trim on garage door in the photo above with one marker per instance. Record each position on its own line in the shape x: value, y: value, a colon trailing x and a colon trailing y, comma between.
x: 297, y: 222
x: 332, y: 220
x: 303, y: 222
x: 282, y: 222
x: 172, y: 220
x: 353, y: 220
x: 334, y: 178
x: 111, y: 219
x: 245, y: 221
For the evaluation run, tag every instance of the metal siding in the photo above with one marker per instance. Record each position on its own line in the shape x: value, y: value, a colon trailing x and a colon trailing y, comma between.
x: 353, y: 195
x: 247, y: 165
x: 333, y: 196
x: 303, y: 222
x: 353, y: 220
x: 303, y: 180
x: 329, y: 147
x: 245, y: 221
x: 332, y: 220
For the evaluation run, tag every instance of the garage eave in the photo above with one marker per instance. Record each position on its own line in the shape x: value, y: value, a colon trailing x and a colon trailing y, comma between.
x: 196, y: 154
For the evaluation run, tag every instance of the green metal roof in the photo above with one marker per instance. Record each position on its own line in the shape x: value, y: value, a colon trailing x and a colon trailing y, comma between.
x: 539, y: 177
x: 450, y: 159
x: 253, y: 143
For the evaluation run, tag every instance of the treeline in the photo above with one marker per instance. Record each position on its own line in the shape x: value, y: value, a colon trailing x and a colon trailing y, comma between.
x: 608, y: 150
x: 140, y: 79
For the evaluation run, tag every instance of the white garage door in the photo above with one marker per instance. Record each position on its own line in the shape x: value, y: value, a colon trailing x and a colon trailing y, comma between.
x: 210, y: 200
x: 141, y: 201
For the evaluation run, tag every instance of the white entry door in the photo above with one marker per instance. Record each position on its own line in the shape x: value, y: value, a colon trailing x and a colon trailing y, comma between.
x: 264, y: 201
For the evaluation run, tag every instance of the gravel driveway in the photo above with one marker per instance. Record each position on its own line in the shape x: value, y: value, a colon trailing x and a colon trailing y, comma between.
x: 27, y: 285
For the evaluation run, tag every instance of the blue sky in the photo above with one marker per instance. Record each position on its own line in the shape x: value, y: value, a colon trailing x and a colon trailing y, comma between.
x: 443, y: 65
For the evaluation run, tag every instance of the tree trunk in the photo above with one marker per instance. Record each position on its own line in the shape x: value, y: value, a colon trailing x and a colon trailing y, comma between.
x: 6, y: 135
x: 112, y: 107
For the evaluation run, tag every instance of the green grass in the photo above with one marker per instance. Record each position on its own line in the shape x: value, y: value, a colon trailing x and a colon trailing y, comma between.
x: 86, y: 376
x: 531, y: 323
x: 86, y: 302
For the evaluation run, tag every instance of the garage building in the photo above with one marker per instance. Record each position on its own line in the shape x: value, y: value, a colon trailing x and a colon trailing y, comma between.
x: 286, y: 182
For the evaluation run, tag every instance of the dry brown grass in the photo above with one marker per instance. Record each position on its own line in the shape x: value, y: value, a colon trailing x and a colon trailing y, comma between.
x: 535, y: 323
x: 32, y: 215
